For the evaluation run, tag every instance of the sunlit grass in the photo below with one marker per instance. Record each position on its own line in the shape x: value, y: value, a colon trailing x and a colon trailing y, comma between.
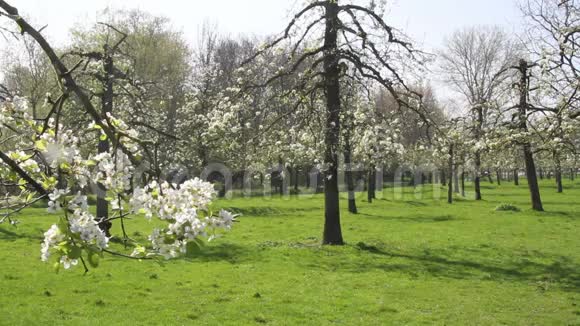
x: 409, y: 259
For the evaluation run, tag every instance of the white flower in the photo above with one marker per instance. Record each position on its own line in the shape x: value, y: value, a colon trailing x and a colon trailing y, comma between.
x: 67, y: 262
x: 51, y: 237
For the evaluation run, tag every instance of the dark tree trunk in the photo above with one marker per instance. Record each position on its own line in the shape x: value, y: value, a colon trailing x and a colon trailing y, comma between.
x: 296, y: 176
x: 462, y: 183
x: 371, y: 184
x: 443, y: 178
x: 528, y: 155
x: 104, y: 146
x: 558, y: 172
x: 541, y: 173
x: 559, y: 180
x: 498, y: 177
x: 348, y: 175
x: 489, y: 178
x: 572, y: 174
x: 332, y: 231
x: 450, y: 187
x: 478, y: 130
x: 516, y: 177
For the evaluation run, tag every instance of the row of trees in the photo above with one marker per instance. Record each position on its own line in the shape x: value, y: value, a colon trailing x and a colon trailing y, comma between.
x: 338, y: 86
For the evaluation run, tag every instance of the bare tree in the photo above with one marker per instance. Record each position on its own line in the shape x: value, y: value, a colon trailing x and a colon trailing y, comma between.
x: 342, y: 41
x: 476, y: 61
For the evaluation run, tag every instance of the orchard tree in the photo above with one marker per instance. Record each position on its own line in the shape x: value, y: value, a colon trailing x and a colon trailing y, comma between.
x: 341, y: 38
x: 47, y: 163
x: 476, y: 62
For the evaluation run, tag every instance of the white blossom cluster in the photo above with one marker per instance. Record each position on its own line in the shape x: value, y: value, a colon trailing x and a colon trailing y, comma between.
x: 54, y: 159
x: 186, y: 208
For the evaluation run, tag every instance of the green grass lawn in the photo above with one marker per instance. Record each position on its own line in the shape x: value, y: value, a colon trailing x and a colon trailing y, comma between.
x: 407, y: 260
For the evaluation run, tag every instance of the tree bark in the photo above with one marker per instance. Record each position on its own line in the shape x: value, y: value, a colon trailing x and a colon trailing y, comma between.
x: 516, y: 177
x: 455, y: 180
x: 332, y: 231
x: 348, y: 175
x: 558, y: 173
x: 462, y: 183
x: 528, y: 155
x: 450, y: 187
x: 104, y: 145
x: 498, y: 177
x: 371, y: 184
x: 476, y: 181
x: 296, y: 176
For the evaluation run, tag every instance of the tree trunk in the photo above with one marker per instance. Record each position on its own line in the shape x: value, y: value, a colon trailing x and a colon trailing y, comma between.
x: 541, y: 174
x: 528, y: 155
x: 104, y: 146
x: 455, y: 180
x: 332, y: 231
x: 558, y: 173
x: 478, y: 131
x: 371, y: 184
x: 348, y: 175
x: 296, y: 179
x: 462, y: 183
x: 516, y: 177
x: 450, y: 187
x: 498, y: 177
x: 559, y: 180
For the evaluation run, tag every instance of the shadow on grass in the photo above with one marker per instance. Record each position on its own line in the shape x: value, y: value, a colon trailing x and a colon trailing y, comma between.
x: 416, y: 203
x: 560, y: 271
x: 228, y: 252
x: 414, y: 219
x: 11, y: 235
x: 269, y: 211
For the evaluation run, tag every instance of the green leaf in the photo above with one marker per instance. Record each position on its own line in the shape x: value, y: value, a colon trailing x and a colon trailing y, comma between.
x: 75, y: 253
x: 103, y: 137
x: 40, y: 145
x: 93, y: 259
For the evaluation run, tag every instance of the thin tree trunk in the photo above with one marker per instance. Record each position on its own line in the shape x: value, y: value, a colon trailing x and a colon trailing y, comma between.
x: 455, y: 180
x: 348, y: 175
x: 296, y: 175
x: 371, y: 184
x: 528, y: 155
x: 516, y: 177
x: 489, y: 178
x: 332, y: 231
x: 450, y: 187
x: 478, y: 131
x: 558, y: 173
x: 498, y: 177
x: 462, y: 183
